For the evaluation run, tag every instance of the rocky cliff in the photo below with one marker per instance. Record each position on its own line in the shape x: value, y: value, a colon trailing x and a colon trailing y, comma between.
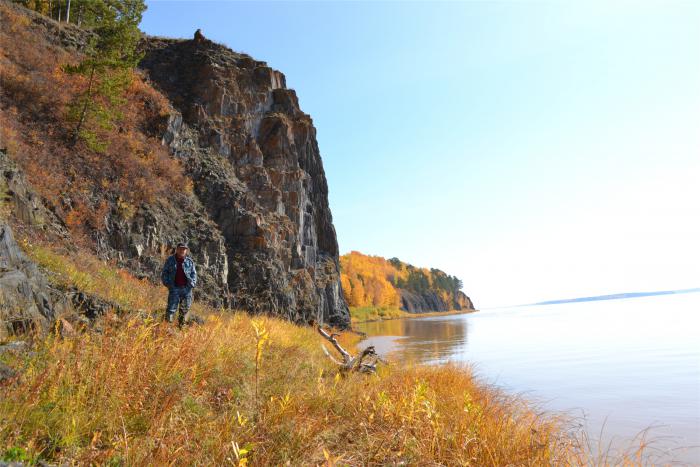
x: 253, y: 157
x: 430, y: 301
x: 253, y: 203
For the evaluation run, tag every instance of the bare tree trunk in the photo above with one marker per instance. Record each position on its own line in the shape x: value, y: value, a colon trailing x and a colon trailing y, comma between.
x: 59, y: 11
x: 365, y: 362
x: 68, y: 12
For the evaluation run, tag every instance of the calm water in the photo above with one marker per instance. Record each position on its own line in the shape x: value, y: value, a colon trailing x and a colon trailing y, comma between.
x: 624, y: 365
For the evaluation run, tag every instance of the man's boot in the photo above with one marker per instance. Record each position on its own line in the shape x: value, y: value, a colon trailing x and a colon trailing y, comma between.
x: 182, y: 318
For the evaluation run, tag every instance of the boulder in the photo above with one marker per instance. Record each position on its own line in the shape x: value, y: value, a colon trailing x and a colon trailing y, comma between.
x: 6, y: 373
x: 14, y: 347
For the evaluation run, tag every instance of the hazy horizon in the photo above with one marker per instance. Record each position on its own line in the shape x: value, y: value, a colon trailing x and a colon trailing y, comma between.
x: 615, y: 296
x: 534, y: 149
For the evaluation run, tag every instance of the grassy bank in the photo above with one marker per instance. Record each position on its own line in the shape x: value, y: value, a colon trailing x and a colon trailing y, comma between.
x: 142, y: 393
x: 369, y: 313
x: 363, y: 314
x: 241, y: 390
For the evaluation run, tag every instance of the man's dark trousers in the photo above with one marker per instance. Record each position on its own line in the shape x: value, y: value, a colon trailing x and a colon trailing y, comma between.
x: 181, y: 296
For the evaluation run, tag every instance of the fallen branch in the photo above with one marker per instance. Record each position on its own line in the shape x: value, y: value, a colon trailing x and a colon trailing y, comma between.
x: 365, y: 362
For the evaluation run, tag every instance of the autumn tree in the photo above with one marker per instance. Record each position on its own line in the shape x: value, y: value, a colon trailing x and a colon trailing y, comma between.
x: 357, y: 292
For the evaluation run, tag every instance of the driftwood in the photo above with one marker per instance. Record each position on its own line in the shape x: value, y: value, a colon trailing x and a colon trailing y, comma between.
x: 365, y: 362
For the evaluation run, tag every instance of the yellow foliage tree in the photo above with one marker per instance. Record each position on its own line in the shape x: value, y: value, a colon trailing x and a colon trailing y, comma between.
x: 357, y: 293
x: 367, y: 281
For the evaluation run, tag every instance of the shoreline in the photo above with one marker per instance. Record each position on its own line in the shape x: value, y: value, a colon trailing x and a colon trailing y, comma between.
x: 408, y: 315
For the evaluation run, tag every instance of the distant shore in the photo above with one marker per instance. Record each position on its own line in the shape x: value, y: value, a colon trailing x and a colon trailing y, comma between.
x: 373, y: 315
x: 617, y: 296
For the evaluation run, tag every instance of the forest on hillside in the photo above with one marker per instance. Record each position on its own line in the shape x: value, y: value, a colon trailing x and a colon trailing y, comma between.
x: 375, y: 281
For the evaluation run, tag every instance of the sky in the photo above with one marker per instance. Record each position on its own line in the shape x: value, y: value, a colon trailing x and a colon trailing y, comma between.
x: 536, y: 150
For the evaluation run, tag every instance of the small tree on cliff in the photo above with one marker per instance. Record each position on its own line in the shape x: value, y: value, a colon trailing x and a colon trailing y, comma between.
x: 106, y: 71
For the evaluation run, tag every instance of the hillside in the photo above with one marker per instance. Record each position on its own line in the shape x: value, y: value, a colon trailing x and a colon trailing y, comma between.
x: 373, y: 281
x: 208, y: 146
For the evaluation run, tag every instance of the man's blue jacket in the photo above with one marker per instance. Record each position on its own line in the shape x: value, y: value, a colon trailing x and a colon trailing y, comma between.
x: 170, y: 268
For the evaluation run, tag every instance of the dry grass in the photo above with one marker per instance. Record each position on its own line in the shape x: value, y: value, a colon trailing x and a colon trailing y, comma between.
x: 87, y: 273
x: 93, y: 276
x: 241, y: 390
x: 141, y: 393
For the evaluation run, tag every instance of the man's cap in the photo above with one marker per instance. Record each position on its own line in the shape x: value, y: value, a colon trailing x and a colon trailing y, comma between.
x: 182, y: 245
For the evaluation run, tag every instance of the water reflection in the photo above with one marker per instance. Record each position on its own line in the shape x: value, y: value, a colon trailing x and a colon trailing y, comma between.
x: 426, y: 340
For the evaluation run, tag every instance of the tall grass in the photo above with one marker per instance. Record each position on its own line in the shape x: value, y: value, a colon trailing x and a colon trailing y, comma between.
x: 239, y: 390
x: 141, y: 393
x: 82, y: 270
x: 87, y: 273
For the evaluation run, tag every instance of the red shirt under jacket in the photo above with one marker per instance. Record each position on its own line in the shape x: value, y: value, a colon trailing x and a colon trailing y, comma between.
x: 180, y: 277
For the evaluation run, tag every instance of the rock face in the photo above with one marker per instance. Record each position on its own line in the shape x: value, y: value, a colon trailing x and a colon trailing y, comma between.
x: 257, y: 172
x: 142, y: 243
x: 25, y: 301
x: 429, y: 301
x: 19, y: 198
x: 462, y: 302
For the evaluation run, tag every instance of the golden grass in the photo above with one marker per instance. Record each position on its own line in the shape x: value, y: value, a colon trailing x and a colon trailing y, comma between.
x: 241, y: 390
x: 142, y: 393
x: 89, y: 274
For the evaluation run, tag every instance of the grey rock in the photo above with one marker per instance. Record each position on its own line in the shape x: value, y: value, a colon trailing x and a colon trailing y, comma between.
x: 142, y: 243
x: 25, y: 204
x: 25, y: 300
x: 257, y: 170
x: 14, y: 347
x: 6, y: 373
x: 258, y: 223
x: 430, y: 301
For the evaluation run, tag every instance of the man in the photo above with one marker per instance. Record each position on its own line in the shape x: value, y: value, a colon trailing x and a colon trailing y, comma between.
x: 180, y: 277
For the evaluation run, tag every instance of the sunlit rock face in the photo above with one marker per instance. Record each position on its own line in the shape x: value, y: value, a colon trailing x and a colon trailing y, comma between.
x: 253, y: 157
x: 428, y: 301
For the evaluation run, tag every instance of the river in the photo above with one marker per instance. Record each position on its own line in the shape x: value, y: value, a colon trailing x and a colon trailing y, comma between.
x: 619, y: 366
